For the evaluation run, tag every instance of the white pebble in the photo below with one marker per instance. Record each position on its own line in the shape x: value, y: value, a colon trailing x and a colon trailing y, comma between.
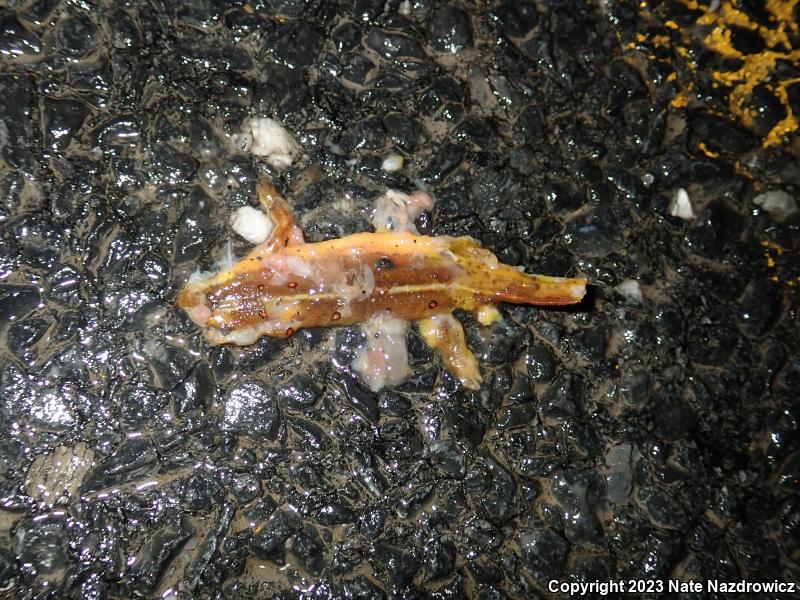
x: 392, y: 163
x: 681, y: 206
x: 776, y: 201
x: 272, y: 140
x: 631, y: 290
x: 252, y: 224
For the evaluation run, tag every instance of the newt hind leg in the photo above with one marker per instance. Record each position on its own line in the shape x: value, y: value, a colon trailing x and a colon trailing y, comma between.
x: 444, y: 334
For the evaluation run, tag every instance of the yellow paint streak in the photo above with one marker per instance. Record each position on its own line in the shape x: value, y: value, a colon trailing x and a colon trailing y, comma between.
x: 756, y: 69
x: 715, y: 27
x: 740, y: 169
x: 708, y: 152
x: 772, y: 253
x: 661, y: 41
x: 772, y: 246
x: 681, y: 100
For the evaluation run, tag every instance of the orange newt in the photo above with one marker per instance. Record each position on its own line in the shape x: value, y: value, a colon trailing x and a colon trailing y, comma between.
x: 286, y: 284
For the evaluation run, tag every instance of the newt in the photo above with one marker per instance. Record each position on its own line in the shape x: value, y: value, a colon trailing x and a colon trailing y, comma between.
x: 394, y: 275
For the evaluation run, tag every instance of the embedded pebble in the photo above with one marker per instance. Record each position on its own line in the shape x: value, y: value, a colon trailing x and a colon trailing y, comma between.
x: 714, y: 228
x: 56, y: 477
x: 42, y: 543
x: 403, y: 130
x: 16, y: 301
x: 270, y: 539
x: 543, y: 552
x: 201, y: 491
x: 399, y: 564
x: 663, y: 510
x: 297, y: 44
x: 577, y: 491
x: 23, y: 335
x: 133, y: 459
x: 563, y: 398
x: 196, y: 391
x: 596, y: 233
x: 439, y: 558
x: 449, y: 30
x: 15, y: 39
x: 777, y: 202
x: 76, y: 35
x: 449, y: 458
x: 619, y: 477
x: 681, y: 206
x: 157, y: 551
x: 392, y: 163
x: 393, y: 46
x: 251, y: 409
x: 631, y: 290
x: 307, y: 546
x: 299, y: 392
x: 721, y: 134
x: 760, y: 307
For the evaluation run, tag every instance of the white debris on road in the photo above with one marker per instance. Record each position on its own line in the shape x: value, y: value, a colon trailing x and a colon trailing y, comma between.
x: 392, y: 163
x: 681, y: 205
x: 776, y: 201
x: 252, y: 224
x: 266, y: 137
x: 631, y: 290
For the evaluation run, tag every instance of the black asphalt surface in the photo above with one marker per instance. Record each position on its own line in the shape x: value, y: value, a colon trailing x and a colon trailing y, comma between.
x: 649, y: 434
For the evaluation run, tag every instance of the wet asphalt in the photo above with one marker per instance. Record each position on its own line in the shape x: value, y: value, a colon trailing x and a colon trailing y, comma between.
x: 650, y: 433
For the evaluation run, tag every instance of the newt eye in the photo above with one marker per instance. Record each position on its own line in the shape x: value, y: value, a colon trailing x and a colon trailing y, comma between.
x: 384, y: 263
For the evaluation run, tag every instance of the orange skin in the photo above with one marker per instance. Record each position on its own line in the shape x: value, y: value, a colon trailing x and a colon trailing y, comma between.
x: 286, y: 284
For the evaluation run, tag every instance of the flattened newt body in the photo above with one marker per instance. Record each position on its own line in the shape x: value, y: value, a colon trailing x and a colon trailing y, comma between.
x: 285, y: 284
